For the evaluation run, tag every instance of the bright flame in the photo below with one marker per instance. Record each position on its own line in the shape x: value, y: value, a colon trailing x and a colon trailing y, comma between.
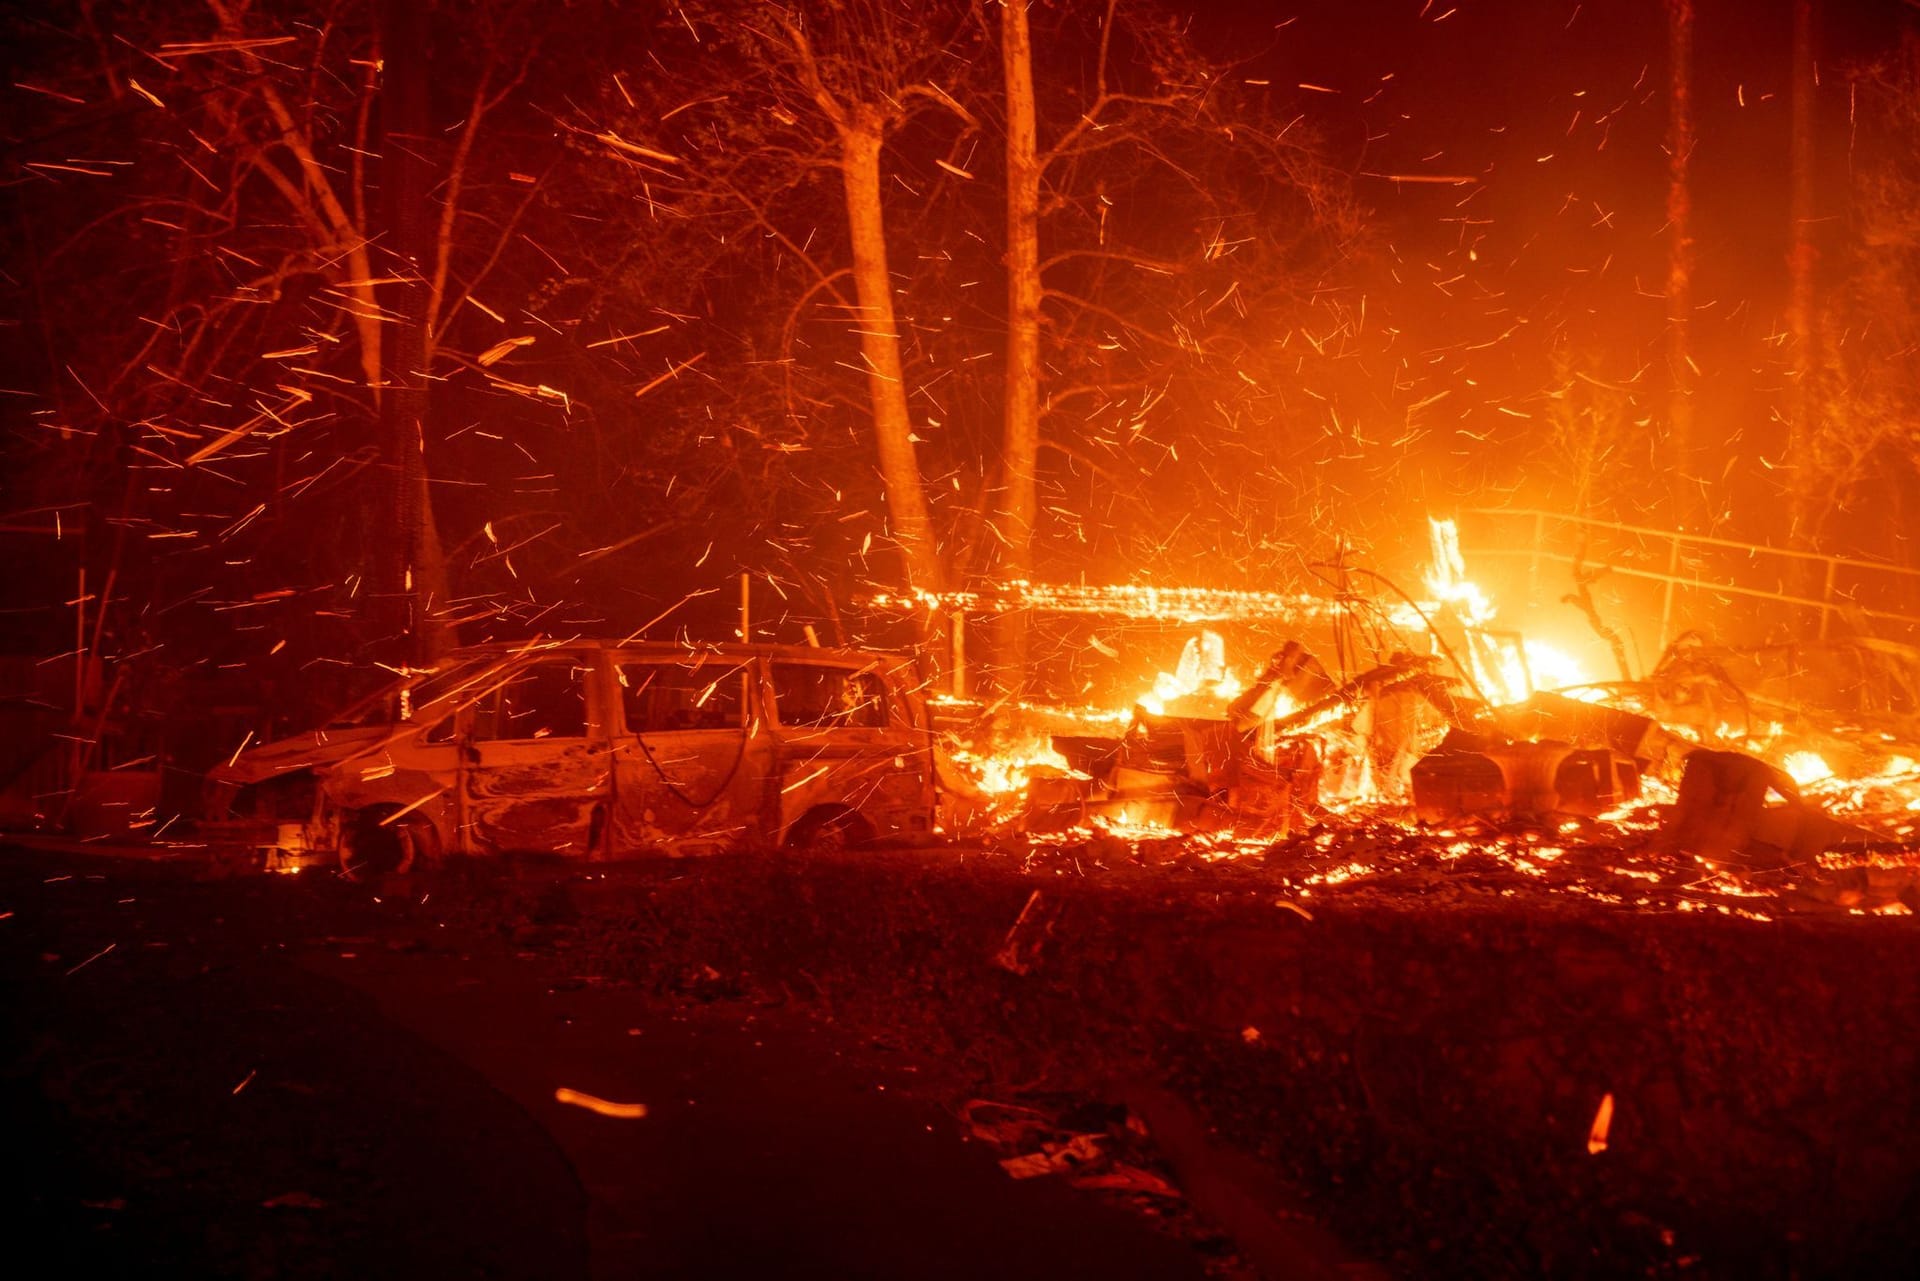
x: 1554, y: 668
x: 1507, y: 667
x: 1010, y: 771
x: 1447, y: 579
x: 1806, y: 767
x: 1200, y: 684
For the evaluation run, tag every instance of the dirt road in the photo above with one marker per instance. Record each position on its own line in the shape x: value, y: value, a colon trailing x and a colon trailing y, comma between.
x: 255, y: 1078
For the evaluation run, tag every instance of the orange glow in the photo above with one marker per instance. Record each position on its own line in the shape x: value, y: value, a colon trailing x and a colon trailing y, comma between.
x: 1201, y: 684
x: 1806, y: 767
x: 1010, y: 770
x: 1360, y: 830
x: 1133, y: 601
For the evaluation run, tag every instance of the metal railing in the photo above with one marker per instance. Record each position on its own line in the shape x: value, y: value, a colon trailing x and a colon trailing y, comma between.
x: 1828, y: 603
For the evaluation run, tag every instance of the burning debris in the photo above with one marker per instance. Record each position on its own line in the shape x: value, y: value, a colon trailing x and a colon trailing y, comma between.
x: 1460, y: 743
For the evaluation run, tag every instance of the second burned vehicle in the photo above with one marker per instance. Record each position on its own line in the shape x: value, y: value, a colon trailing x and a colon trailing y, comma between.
x: 598, y: 750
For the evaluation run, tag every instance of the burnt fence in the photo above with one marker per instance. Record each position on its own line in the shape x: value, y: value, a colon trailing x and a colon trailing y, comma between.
x: 1666, y: 583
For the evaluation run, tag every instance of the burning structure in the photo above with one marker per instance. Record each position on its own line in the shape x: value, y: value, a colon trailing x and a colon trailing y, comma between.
x: 1459, y: 732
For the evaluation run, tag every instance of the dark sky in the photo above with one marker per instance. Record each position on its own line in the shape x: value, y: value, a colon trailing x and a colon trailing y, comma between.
x: 1547, y: 97
x: 1557, y: 109
x: 1559, y: 105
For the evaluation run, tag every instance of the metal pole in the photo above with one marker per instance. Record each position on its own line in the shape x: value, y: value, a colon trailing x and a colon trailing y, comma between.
x: 746, y: 615
x: 1666, y: 599
x: 1826, y: 599
x: 959, y: 633
x: 100, y: 615
x: 80, y: 648
x: 1533, y: 563
x: 74, y: 759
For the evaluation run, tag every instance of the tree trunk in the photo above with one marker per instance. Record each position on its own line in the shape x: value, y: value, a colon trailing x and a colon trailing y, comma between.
x: 1800, y: 268
x: 413, y: 571
x: 1681, y: 444
x: 860, y: 140
x: 1022, y: 439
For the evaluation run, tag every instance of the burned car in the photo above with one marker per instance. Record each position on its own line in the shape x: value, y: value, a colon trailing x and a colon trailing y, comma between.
x: 596, y: 750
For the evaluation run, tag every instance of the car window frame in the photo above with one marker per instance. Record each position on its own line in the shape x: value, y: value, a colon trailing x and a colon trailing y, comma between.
x: 752, y: 714
x: 873, y: 668
x: 590, y: 674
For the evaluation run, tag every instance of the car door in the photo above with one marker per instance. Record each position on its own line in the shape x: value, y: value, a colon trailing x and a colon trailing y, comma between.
x: 534, y: 763
x: 692, y: 757
x: 846, y: 739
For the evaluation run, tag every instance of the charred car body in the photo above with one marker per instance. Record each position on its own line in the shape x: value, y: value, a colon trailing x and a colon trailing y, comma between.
x: 596, y: 750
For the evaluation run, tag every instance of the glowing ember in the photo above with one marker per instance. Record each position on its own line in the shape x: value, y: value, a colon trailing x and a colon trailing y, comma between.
x: 1602, y: 1126
x: 1163, y: 604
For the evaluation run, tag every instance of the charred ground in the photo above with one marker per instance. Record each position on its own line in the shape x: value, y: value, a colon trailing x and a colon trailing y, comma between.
x: 1402, y: 1068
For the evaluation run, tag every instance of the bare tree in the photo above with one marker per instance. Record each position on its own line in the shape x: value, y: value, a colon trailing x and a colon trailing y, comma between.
x: 418, y: 562
x: 1020, y: 450
x: 281, y: 317
x: 1680, y: 371
x: 1190, y: 222
x: 1150, y: 251
x: 1866, y: 394
x: 836, y: 80
x: 1801, y: 261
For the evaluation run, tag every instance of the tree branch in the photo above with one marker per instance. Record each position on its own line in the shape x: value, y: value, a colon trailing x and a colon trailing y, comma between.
x: 1151, y: 264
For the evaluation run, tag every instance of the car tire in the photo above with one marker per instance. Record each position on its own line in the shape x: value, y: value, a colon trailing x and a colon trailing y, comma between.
x: 828, y: 832
x: 372, y: 849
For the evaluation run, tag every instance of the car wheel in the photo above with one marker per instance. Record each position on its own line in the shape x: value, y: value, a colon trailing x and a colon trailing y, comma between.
x: 372, y: 849
x: 828, y: 833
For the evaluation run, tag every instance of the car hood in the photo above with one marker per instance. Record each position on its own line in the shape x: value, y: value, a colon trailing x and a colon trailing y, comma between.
x: 302, y: 752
